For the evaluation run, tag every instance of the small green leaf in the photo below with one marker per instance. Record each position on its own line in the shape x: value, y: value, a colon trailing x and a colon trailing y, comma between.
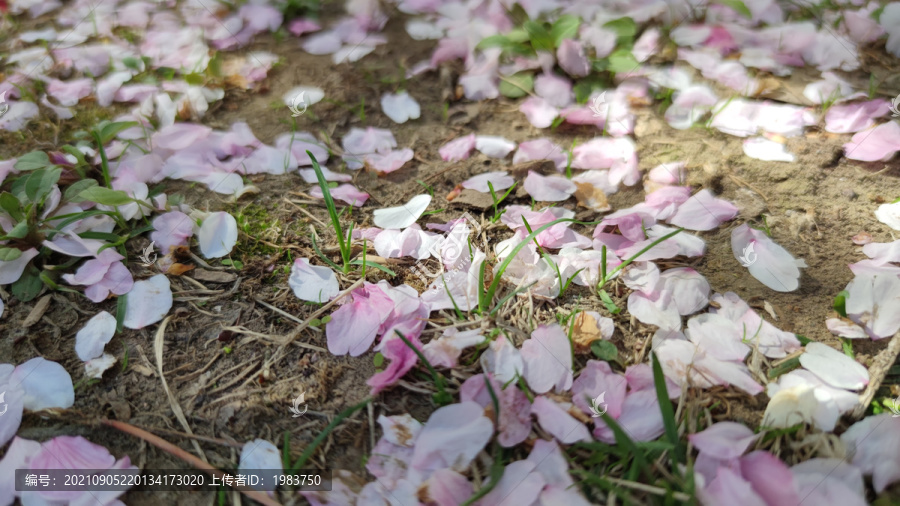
x: 803, y: 339
x: 566, y: 27
x: 194, y: 79
x: 585, y: 87
x: 33, y: 161
x: 840, y: 303
x: 493, y: 41
x: 378, y: 361
x: 9, y: 254
x: 73, y: 192
x: 110, y: 130
x: 131, y: 62
x: 517, y: 85
x: 40, y: 182
x: 622, y: 60
x: 541, y: 40
x: 604, y: 350
x: 517, y: 35
x: 625, y: 29
x: 786, y: 366
x: 121, y: 306
x: 608, y: 302
x: 738, y: 7
x: 12, y: 206
x: 105, y: 196
x: 19, y: 231
x: 29, y: 284
x: 72, y: 150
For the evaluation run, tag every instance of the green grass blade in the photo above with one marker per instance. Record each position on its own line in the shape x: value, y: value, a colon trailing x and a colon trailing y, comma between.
x: 369, y: 263
x: 668, y: 412
x: 329, y: 203
x: 515, y: 251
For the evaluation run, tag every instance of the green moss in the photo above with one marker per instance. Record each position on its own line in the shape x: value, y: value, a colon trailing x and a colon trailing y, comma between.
x: 257, y: 223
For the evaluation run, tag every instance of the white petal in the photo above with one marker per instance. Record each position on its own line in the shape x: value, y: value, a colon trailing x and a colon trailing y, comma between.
x: 766, y: 150
x: 260, y: 454
x: 90, y: 340
x: 402, y: 216
x: 493, y: 146
x: 46, y: 384
x: 549, y: 188
x: 312, y: 282
x: 833, y: 367
x: 148, y: 302
x: 311, y: 95
x: 217, y: 235
x: 96, y: 367
x: 400, y: 107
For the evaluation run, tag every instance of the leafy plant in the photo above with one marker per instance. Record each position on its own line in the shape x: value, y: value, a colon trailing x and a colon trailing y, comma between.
x: 344, y: 242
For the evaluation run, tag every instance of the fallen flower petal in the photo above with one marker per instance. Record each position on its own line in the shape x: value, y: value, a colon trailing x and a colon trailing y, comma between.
x: 311, y: 282
x: 148, y: 302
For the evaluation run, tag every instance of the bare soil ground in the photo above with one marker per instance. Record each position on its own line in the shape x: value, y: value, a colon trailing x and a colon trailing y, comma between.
x: 814, y: 206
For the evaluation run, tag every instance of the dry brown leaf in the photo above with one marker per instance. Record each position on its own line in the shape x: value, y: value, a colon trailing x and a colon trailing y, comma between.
x: 37, y: 312
x: 585, y: 330
x: 591, y: 197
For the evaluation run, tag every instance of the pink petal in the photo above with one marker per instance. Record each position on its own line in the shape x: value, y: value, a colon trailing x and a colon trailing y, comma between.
x: 541, y: 149
x: 548, y: 188
x: 877, y: 144
x: 354, y: 325
x: 556, y: 90
x: 724, y: 440
x: 171, y: 230
x: 560, y: 424
x: 448, y: 488
x: 458, y: 149
x: 855, y: 117
x: 703, y: 212
x: 548, y: 359
x: 539, y: 112
x: 520, y: 484
x: 766, y: 260
x: 572, y: 59
x: 345, y: 193
x: 402, y: 360
x: 595, y: 379
x: 389, y: 161
x: 452, y: 437
x: 689, y: 288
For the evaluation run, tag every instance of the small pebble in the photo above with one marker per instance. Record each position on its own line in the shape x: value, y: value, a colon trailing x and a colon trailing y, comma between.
x: 862, y: 238
x: 850, y: 194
